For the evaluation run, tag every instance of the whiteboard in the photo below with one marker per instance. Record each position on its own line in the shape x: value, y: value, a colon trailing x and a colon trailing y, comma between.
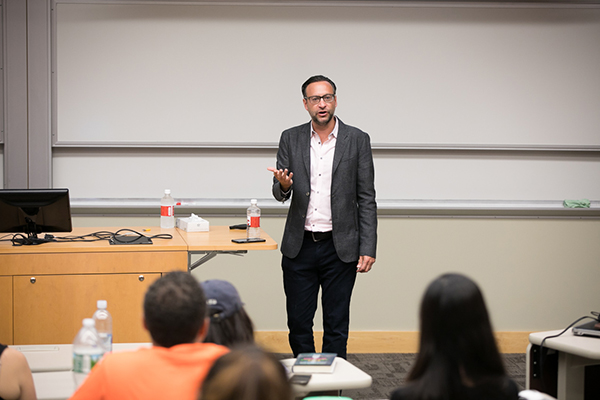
x: 229, y: 75
x: 235, y: 174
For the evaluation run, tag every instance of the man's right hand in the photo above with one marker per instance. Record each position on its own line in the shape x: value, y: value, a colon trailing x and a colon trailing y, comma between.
x: 284, y: 177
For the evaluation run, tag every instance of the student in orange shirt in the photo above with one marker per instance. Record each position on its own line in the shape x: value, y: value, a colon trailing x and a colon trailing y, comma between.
x: 177, y: 363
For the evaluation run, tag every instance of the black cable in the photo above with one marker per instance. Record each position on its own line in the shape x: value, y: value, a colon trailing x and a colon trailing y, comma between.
x: 125, y: 238
x: 3, y: 238
x: 162, y: 236
x: 139, y: 235
x: 90, y: 237
x: 19, y: 239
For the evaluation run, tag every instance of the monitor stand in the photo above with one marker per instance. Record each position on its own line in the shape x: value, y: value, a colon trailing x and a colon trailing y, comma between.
x: 32, y: 237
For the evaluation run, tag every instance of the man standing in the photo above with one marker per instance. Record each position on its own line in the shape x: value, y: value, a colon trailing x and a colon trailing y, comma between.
x: 331, y: 228
x: 177, y: 363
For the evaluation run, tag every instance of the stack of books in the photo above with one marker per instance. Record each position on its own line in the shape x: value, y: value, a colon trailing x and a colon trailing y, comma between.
x: 314, y: 363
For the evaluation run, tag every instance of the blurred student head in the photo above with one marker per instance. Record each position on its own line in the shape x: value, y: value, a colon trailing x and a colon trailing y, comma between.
x: 457, y: 344
x: 175, y: 310
x: 16, y: 381
x: 229, y: 323
x: 246, y: 373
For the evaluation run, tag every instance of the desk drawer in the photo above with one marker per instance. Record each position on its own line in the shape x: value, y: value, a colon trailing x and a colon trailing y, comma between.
x: 48, y: 309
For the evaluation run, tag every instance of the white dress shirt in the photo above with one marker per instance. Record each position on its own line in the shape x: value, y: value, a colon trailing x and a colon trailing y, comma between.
x: 318, y: 216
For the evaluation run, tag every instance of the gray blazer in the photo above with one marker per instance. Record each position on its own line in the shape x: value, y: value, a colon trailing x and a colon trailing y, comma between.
x: 353, y: 206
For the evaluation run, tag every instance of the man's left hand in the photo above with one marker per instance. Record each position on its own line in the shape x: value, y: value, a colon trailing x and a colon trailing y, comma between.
x: 364, y: 264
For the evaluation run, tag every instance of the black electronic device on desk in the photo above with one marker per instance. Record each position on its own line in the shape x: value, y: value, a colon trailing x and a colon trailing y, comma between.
x: 129, y: 239
x: 241, y: 227
x: 134, y: 237
x: 27, y: 212
x: 300, y: 379
x: 248, y: 240
x: 588, y: 329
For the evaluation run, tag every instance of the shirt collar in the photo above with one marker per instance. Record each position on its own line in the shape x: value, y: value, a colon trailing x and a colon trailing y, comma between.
x: 333, y: 133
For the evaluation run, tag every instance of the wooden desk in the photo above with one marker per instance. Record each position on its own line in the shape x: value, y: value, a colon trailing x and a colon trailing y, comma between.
x: 49, y: 288
x: 46, y: 290
x: 218, y: 241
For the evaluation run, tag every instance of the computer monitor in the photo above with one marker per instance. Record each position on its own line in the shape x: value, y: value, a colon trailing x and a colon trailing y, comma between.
x: 33, y: 211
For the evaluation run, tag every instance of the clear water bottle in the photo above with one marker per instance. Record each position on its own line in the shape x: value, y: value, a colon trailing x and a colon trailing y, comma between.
x: 253, y: 215
x: 103, y: 321
x: 167, y: 211
x: 87, y: 351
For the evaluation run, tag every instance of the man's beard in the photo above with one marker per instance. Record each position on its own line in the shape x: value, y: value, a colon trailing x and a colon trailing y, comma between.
x: 316, y: 120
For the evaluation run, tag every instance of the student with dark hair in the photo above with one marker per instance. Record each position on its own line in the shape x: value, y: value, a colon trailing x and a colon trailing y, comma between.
x: 229, y: 323
x: 247, y: 373
x: 177, y: 363
x: 458, y: 358
x: 16, y: 381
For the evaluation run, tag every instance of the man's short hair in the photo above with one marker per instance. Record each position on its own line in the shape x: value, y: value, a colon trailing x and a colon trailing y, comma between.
x: 317, y: 78
x: 174, y: 309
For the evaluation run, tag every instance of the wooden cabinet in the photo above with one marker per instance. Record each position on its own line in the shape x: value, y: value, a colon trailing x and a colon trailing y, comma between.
x: 6, y: 302
x: 48, y: 309
x: 46, y: 290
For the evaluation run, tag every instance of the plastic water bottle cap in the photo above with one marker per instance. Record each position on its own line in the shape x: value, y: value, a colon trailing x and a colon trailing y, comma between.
x: 253, y: 201
x: 167, y: 191
x: 89, y: 322
x: 102, y: 304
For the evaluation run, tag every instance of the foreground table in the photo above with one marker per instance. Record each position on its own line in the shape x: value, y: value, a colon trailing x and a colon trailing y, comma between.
x: 51, y: 366
x: 345, y: 376
x: 53, y: 378
x: 574, y: 353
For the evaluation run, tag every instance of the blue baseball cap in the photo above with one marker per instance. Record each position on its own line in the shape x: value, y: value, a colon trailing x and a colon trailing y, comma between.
x: 222, y: 299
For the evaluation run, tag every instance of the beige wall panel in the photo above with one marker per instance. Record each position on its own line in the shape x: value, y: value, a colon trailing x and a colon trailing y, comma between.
x: 535, y: 274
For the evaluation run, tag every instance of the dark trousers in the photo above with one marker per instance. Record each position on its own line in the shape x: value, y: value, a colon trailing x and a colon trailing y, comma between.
x: 318, y: 266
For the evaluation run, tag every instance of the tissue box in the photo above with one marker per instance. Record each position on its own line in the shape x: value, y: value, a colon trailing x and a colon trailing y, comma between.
x: 193, y: 224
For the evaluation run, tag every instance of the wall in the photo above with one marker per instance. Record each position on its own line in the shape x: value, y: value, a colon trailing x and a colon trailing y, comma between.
x: 536, y: 274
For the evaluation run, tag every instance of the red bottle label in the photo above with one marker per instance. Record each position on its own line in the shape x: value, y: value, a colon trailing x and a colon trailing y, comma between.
x: 253, y: 222
x: 166, y: 211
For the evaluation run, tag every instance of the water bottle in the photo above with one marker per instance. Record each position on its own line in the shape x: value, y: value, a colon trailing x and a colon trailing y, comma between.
x: 253, y: 215
x: 167, y: 212
x: 103, y: 321
x: 87, y: 351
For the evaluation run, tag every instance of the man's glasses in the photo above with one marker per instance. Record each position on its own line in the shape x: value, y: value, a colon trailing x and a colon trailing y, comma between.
x: 327, y: 98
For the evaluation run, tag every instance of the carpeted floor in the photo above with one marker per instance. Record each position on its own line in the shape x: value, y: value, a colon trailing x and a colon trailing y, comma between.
x: 388, y: 371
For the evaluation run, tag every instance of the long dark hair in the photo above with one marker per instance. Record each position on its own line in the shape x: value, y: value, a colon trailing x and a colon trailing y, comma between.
x: 246, y: 373
x: 234, y: 330
x: 457, y: 345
